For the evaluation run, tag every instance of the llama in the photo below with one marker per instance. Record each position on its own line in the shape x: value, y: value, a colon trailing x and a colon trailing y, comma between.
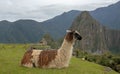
x: 52, y: 58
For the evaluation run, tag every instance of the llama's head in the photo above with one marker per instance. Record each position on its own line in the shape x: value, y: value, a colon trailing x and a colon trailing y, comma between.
x: 73, y: 35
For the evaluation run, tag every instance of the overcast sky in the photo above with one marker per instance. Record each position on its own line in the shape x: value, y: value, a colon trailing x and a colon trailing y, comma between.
x: 41, y: 10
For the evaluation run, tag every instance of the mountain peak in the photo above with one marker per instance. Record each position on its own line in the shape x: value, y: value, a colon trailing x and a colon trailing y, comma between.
x: 85, y: 20
x: 85, y: 14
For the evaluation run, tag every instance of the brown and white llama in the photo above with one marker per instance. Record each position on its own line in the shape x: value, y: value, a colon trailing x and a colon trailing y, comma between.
x: 52, y: 58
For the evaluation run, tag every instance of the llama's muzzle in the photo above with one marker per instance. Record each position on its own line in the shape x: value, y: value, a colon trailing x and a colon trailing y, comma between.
x: 77, y: 36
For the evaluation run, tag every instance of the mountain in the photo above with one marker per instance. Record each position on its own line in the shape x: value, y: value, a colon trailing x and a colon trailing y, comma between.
x: 91, y: 32
x: 21, y: 31
x: 96, y: 38
x: 108, y: 16
x: 4, y: 26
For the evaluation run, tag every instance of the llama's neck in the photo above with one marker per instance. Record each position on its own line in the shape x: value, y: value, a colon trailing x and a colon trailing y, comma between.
x: 67, y: 45
x: 66, y: 48
x: 68, y: 42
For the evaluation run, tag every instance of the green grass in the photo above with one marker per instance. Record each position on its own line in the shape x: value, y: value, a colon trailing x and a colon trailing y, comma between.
x: 11, y: 54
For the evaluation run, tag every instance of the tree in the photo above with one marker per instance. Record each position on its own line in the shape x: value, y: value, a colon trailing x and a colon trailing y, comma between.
x: 50, y: 40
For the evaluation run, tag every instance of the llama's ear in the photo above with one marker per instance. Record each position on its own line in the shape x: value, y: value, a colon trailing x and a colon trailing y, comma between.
x: 68, y: 31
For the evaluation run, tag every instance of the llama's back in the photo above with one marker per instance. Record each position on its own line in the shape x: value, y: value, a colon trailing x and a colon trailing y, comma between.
x: 38, y: 58
x: 46, y: 57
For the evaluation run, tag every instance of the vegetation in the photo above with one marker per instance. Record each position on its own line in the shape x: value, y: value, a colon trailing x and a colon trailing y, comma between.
x: 11, y: 54
x: 112, y: 61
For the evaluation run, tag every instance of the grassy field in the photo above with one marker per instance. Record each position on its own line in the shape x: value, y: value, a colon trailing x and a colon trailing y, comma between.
x: 11, y: 54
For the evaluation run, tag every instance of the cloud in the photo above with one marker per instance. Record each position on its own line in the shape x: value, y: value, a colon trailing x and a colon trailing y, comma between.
x: 44, y: 9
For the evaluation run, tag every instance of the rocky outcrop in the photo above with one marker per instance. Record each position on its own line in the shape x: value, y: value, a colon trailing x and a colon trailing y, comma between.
x: 96, y: 38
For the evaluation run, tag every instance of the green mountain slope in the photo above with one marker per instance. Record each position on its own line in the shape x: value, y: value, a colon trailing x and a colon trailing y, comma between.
x: 10, y: 63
